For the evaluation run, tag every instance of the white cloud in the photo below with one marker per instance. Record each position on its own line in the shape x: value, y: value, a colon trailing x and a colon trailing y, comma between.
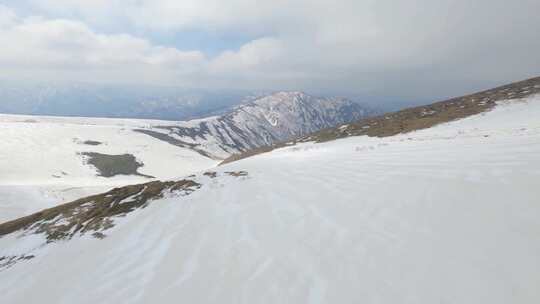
x: 379, y: 46
x: 257, y: 54
x: 66, y: 48
x: 7, y: 16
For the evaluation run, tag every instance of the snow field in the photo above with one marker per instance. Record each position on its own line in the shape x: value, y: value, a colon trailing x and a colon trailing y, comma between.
x: 444, y: 215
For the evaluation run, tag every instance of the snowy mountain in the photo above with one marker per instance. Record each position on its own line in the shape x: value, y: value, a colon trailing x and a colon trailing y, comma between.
x: 416, y: 118
x: 261, y: 122
x: 434, y: 207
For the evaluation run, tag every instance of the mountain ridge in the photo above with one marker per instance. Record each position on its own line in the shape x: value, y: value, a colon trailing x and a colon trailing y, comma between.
x: 468, y: 105
x: 357, y: 219
x: 82, y: 156
x: 260, y: 122
x: 114, y: 101
x: 415, y: 118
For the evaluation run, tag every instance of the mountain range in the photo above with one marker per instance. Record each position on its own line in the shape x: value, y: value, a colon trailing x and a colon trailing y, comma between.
x: 116, y: 101
x: 262, y: 122
x: 432, y: 204
x: 82, y: 156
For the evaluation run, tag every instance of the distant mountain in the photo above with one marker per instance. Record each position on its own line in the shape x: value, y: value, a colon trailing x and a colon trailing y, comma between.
x: 261, y: 122
x: 415, y: 118
x: 53, y: 159
x: 115, y: 101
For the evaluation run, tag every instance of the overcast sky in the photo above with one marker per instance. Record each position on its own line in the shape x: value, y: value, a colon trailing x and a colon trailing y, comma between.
x: 408, y: 49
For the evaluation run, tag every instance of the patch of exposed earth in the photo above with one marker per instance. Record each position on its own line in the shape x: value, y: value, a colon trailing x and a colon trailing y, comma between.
x: 112, y: 165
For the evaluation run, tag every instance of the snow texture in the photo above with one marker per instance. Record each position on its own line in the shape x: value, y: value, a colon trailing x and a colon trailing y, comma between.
x: 59, y: 172
x: 443, y: 215
x: 41, y: 164
x: 265, y: 121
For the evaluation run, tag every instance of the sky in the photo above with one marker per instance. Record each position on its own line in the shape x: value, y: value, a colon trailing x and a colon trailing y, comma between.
x: 378, y: 48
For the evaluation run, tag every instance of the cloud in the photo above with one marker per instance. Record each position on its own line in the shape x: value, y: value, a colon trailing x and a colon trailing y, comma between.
x: 416, y: 48
x: 259, y: 54
x: 67, y: 48
x: 7, y: 16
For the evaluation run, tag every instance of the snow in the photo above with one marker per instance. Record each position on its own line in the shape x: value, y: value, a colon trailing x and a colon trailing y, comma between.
x: 31, y: 181
x: 443, y: 215
x: 266, y: 120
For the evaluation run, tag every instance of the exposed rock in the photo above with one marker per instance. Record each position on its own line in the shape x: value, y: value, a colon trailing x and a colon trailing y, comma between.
x: 95, y: 214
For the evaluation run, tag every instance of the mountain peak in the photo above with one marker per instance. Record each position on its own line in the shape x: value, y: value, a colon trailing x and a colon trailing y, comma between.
x: 264, y: 121
x: 291, y: 93
x: 284, y: 96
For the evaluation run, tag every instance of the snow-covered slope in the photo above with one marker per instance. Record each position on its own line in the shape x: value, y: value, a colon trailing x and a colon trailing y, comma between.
x: 47, y: 160
x: 447, y: 214
x: 42, y: 161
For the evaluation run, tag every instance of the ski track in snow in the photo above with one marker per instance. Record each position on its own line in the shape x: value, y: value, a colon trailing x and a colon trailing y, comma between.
x: 443, y: 215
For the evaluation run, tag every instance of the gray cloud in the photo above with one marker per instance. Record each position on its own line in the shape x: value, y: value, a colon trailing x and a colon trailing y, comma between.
x: 408, y: 49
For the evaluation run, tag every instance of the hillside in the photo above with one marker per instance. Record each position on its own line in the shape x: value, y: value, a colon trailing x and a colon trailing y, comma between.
x: 80, y: 156
x: 417, y: 118
x: 445, y: 213
x: 48, y: 160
